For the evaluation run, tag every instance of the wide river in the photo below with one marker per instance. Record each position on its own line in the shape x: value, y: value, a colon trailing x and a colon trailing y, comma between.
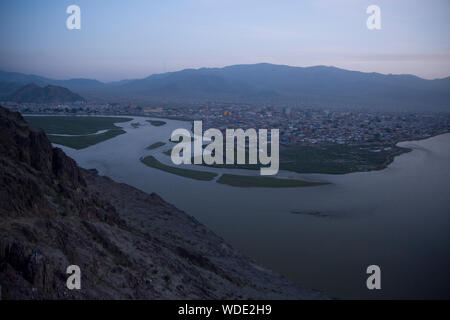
x: 397, y: 218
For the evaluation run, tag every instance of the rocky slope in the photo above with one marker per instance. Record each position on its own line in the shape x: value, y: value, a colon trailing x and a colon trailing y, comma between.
x: 128, y: 244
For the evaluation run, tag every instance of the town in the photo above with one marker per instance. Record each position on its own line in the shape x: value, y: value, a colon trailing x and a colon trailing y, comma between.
x: 304, y: 126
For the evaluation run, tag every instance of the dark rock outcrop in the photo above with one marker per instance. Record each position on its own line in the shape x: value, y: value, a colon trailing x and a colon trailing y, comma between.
x: 128, y: 244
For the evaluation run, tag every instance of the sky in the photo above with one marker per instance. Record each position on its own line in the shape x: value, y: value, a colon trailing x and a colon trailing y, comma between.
x: 135, y: 38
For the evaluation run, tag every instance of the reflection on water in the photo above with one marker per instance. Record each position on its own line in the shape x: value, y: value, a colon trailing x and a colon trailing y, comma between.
x: 397, y: 218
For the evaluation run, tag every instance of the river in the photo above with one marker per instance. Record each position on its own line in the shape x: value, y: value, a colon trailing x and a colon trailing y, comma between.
x: 397, y: 218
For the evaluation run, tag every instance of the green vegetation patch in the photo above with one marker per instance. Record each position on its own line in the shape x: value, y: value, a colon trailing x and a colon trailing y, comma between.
x: 329, y: 159
x: 183, y: 138
x: 156, y: 145
x: 156, y: 123
x: 187, y: 173
x: 74, y: 125
x: 81, y: 142
x: 338, y: 159
x: 264, y: 182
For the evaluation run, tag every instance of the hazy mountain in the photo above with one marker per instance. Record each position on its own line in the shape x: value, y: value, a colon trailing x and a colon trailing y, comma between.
x: 317, y: 86
x: 314, y: 86
x: 49, y: 94
x: 79, y: 84
x: 11, y: 81
x: 21, y: 78
x: 7, y: 88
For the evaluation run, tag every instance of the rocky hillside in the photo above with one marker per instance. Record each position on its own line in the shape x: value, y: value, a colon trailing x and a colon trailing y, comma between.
x: 33, y: 93
x: 128, y: 244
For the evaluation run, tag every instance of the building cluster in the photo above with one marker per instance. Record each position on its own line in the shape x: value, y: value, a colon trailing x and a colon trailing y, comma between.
x: 298, y: 126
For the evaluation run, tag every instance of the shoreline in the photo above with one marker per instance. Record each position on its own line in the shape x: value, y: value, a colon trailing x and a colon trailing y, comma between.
x: 385, y: 165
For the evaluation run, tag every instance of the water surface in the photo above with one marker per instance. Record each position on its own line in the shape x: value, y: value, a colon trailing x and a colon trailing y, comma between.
x: 397, y: 218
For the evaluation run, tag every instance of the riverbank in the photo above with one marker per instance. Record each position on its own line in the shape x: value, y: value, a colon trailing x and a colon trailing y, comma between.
x: 365, y: 224
x: 127, y: 243
x: 322, y: 159
x: 152, y: 162
x: 263, y: 182
x: 78, y: 132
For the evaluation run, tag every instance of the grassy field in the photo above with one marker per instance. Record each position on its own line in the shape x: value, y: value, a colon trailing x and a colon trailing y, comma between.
x: 187, y: 173
x: 156, y: 145
x: 156, y: 123
x: 332, y: 159
x: 192, y: 139
x: 74, y: 125
x: 337, y: 159
x: 263, y: 182
x: 84, y: 127
x: 81, y: 142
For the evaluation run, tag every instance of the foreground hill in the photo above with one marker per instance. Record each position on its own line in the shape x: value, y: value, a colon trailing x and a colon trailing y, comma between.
x: 128, y: 244
x: 267, y: 83
x: 49, y: 94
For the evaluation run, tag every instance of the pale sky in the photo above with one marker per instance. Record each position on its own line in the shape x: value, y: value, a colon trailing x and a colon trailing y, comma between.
x: 136, y: 38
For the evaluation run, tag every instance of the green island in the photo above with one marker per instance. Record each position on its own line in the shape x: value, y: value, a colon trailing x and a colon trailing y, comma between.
x: 81, y: 142
x: 156, y: 123
x: 328, y: 159
x: 338, y: 159
x: 169, y: 152
x: 152, y: 162
x: 80, y: 130
x: 156, y: 145
x: 264, y: 182
x: 230, y: 179
x: 192, y: 139
x: 74, y: 125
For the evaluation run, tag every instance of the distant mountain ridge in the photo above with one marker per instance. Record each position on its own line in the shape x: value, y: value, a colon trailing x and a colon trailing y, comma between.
x: 267, y: 83
x: 33, y: 93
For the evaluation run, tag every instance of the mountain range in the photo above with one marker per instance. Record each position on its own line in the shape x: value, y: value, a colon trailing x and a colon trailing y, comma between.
x: 263, y: 83
x: 49, y: 94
